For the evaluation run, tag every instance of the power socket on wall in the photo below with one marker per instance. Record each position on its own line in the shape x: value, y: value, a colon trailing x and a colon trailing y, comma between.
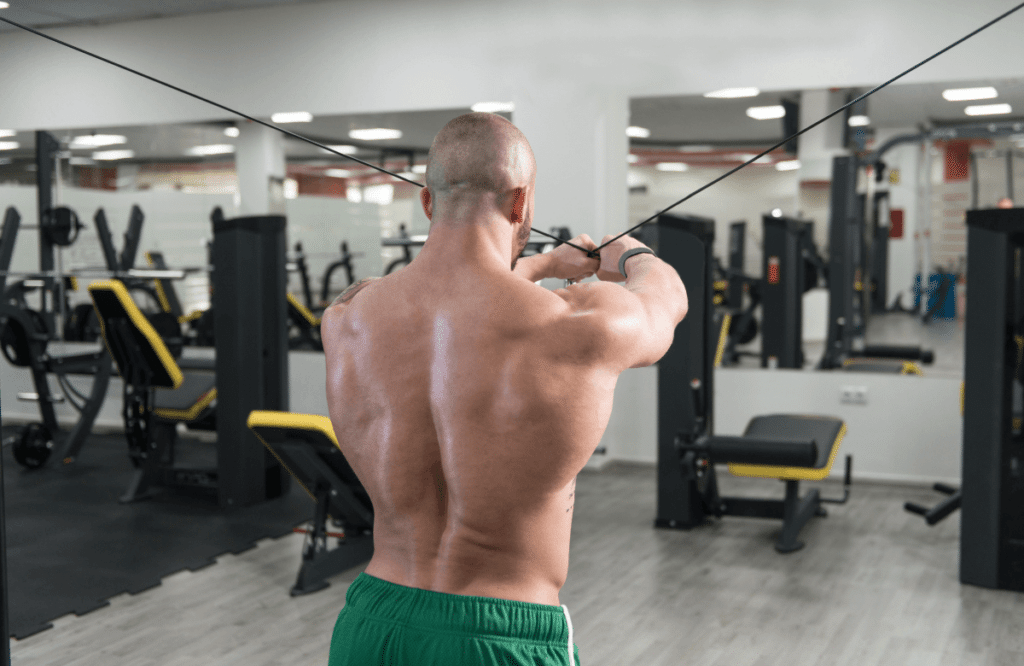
x: 854, y: 395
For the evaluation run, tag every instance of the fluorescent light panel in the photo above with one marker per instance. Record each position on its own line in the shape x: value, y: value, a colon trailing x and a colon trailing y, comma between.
x: 4, y: 5
x: 788, y: 165
x: 97, y: 140
x: 215, y: 149
x: 232, y: 132
x: 632, y: 159
x: 6, y: 133
x: 419, y: 168
x: 671, y: 166
x: 766, y: 112
x: 637, y: 132
x: 733, y: 93
x: 493, y: 107
x: 988, y: 110
x: 337, y: 173
x: 859, y: 121
x: 9, y: 145
x: 113, y: 154
x: 968, y: 94
x: 375, y: 134
x: 344, y: 150
x: 292, y: 117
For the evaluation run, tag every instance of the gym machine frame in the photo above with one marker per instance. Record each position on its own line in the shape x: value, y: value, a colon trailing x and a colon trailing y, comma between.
x: 847, y: 303
x: 687, y: 451
x: 992, y: 490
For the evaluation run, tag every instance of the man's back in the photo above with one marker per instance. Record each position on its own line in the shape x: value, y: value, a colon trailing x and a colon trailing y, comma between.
x: 467, y: 408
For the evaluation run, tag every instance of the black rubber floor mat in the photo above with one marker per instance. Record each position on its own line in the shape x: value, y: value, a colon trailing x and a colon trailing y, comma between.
x: 71, y: 546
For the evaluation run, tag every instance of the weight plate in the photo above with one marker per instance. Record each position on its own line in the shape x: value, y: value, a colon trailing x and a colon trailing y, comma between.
x: 33, y: 448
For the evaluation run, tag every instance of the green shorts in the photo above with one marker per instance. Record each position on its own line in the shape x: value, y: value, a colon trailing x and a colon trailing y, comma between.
x: 393, y: 625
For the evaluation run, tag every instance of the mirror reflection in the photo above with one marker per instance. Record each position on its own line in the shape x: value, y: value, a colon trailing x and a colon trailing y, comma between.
x: 926, y: 153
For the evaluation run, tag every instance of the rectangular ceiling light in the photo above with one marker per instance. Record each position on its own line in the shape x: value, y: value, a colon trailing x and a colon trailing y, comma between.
x: 419, y: 168
x: 9, y: 145
x: 733, y: 93
x: 375, y: 134
x: 337, y: 173
x: 4, y: 5
x: 215, y: 149
x: 988, y: 110
x: 232, y: 132
x: 967, y: 94
x: 859, y: 121
x: 344, y: 150
x: 292, y: 117
x: 97, y: 140
x: 788, y: 165
x: 113, y: 154
x: 493, y: 107
x: 637, y: 132
x: 6, y: 133
x: 766, y: 112
x: 671, y: 166
x: 632, y: 159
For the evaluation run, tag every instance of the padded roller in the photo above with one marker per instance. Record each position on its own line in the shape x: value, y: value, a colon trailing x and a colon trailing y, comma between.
x: 926, y: 356
x: 751, y: 451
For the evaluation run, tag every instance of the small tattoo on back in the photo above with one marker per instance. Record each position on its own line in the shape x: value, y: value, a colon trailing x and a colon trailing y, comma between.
x: 351, y: 291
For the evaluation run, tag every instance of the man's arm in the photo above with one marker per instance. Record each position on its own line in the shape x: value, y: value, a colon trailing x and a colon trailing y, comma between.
x: 533, y: 268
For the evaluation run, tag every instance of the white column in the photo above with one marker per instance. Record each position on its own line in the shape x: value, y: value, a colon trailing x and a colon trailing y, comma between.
x: 815, y: 150
x: 260, y: 164
x: 579, y: 140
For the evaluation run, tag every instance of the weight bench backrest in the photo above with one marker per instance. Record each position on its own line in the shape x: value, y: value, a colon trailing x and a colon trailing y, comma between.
x: 137, y: 349
x: 306, y: 446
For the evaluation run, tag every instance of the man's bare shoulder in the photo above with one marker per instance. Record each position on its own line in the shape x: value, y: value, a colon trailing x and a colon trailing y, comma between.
x: 351, y: 291
x: 333, y: 314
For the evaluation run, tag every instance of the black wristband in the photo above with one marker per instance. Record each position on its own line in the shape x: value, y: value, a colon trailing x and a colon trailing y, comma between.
x: 632, y: 253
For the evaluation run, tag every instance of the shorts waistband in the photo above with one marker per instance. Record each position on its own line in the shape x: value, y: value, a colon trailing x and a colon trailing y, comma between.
x: 439, y: 611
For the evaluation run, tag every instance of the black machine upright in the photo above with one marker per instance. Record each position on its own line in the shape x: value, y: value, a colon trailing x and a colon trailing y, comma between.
x: 992, y: 505
x: 786, y: 447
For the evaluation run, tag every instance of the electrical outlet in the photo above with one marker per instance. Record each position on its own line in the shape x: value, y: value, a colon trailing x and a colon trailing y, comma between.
x: 854, y: 395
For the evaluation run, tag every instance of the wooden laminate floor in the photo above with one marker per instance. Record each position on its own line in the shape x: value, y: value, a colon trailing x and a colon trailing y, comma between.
x: 874, y: 585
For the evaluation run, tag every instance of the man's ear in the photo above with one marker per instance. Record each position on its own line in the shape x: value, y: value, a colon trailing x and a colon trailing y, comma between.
x: 428, y: 203
x: 518, y: 212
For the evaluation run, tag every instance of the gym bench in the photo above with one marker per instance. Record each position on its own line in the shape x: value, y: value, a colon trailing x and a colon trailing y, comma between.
x: 161, y: 390
x: 306, y: 446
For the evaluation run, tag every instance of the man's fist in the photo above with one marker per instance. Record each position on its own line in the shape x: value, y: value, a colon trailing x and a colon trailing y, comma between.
x: 569, y: 263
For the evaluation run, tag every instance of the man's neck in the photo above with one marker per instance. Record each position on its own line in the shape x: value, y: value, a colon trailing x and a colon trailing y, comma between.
x: 477, y: 245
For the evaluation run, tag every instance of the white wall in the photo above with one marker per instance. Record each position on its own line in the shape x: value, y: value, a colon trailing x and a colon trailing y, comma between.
x: 892, y: 438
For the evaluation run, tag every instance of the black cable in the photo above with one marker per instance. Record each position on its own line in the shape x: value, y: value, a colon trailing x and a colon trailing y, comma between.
x: 294, y: 135
x: 812, y: 126
x: 204, y: 99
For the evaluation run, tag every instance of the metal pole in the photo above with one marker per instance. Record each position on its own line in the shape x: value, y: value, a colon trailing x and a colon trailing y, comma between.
x: 5, y: 628
x: 974, y: 181
x: 1009, y: 174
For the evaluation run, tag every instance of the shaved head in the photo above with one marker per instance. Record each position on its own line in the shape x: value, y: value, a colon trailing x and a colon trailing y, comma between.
x: 479, y: 154
x: 481, y: 171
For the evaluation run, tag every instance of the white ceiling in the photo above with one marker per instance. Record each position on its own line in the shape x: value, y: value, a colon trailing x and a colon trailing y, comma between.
x: 697, y: 119
x: 52, y: 13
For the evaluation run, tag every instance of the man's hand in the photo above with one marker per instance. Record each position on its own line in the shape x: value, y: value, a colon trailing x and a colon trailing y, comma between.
x: 610, y: 254
x: 568, y: 263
